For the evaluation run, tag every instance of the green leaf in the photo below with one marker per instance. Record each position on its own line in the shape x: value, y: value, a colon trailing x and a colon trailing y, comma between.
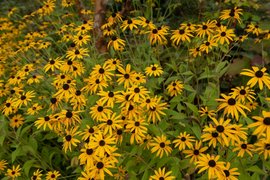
x: 18, y: 151
x: 256, y: 169
x: 196, y: 130
x: 146, y: 175
x: 193, y: 108
x: 27, y: 166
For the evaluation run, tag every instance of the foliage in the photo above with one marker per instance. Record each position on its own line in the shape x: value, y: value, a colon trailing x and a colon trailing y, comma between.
x: 177, y: 89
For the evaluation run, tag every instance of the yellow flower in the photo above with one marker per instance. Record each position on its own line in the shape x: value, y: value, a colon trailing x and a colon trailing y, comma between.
x: 229, y: 173
x: 37, y: 175
x: 231, y: 14
x: 14, y: 172
x: 181, y: 35
x: 244, y: 147
x: 16, y: 121
x: 175, y: 88
x: 157, y: 36
x: 210, y: 163
x: 183, y: 140
x: 3, y: 165
x: 53, y: 64
x: 262, y: 124
x: 69, y: 139
x: 117, y: 43
x: 224, y: 35
x: 195, y: 151
x: 52, y: 175
x: 259, y: 76
x: 162, y: 174
x: 263, y: 147
x: 231, y: 106
x: 206, y: 28
x: 153, y: 69
x: 129, y: 24
x: 160, y: 145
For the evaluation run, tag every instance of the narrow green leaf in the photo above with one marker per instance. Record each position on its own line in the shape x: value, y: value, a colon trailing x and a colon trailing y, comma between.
x: 256, y: 169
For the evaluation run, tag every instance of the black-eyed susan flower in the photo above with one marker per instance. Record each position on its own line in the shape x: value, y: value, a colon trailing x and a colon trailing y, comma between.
x: 231, y: 106
x: 195, y: 51
x: 14, y: 172
x: 110, y: 122
x: 34, y: 79
x: 175, y: 88
x: 16, y: 121
x: 254, y: 29
x: 103, y: 72
x: 162, y: 174
x: 113, y: 63
x: 80, y: 40
x: 204, y: 111
x: 44, y: 122
x: 258, y: 76
x: 243, y: 94
x: 208, y: 45
x: 157, y: 36
x: 224, y: 35
x: 137, y: 93
x: 70, y: 139
x: 115, y: 17
x: 231, y: 14
x: 153, y: 70
x: 52, y: 175
x: 210, y: 163
x: 100, y: 168
x: 87, y: 156
x: 223, y: 128
x: 181, y: 35
x: 3, y: 165
x: 130, y: 24
x: 195, y: 151
x: 108, y: 97
x: 89, y: 132
x: 243, y: 147
x: 126, y: 76
x: 102, y: 144
x: 117, y: 43
x: 239, y: 133
x: 23, y: 99
x: 148, y: 102
x: 263, y: 147
x: 37, y: 175
x: 94, y: 84
x: 131, y: 111
x: 262, y: 125
x: 98, y: 111
x: 34, y: 109
x: 156, y: 110
x: 229, y: 173
x: 183, y: 140
x: 206, y: 28
x: 65, y: 92
x: 137, y: 128
x: 70, y: 118
x: 160, y: 144
x: 212, y: 137
x: 78, y: 99
x: 145, y: 23
x: 77, y: 53
x: 8, y: 107
x: 53, y: 64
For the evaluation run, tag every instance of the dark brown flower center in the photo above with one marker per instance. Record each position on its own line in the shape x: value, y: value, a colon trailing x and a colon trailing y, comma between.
x: 227, y: 173
x: 220, y: 128
x: 266, y: 121
x: 111, y: 94
x: 231, y: 101
x: 68, y: 137
x: 137, y: 90
x: 212, y: 163
x: 154, y: 31
x: 183, y: 139
x: 223, y: 34
x: 126, y: 76
x: 65, y: 86
x: 69, y: 114
x: 204, y: 27
x: 102, y: 143
x: 46, y: 118
x: 100, y: 108
x: 242, y: 92
x: 214, y: 134
x: 196, y: 152
x: 162, y: 144
x: 91, y: 130
x: 109, y: 122
x: 100, y: 165
x: 181, y: 31
x: 244, y: 146
x: 89, y: 151
x: 137, y: 123
x: 259, y: 74
x: 101, y: 71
